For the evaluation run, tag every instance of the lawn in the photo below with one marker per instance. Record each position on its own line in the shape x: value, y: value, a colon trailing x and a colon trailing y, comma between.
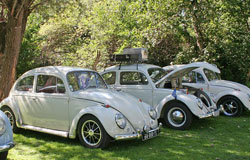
x: 220, y: 138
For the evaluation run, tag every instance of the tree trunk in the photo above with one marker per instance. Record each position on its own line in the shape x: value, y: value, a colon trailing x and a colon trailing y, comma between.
x: 197, y: 27
x: 13, y: 37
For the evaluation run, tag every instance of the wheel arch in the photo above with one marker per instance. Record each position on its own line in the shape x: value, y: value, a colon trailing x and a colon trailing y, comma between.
x: 228, y: 96
x: 168, y: 103
x: 8, y: 103
x: 104, y: 115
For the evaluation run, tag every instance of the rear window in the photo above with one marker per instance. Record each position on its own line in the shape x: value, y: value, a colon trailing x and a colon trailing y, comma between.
x: 26, y: 84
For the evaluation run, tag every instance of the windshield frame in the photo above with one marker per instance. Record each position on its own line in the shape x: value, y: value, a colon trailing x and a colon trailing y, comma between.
x: 216, y: 76
x: 156, y: 68
x: 106, y: 86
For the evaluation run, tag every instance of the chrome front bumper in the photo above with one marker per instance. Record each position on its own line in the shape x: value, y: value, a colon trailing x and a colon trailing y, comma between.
x: 214, y: 113
x: 7, y: 147
x: 137, y: 135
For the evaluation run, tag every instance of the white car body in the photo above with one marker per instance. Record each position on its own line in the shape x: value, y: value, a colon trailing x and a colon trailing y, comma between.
x: 6, y: 136
x: 219, y: 89
x: 154, y: 94
x: 59, y: 113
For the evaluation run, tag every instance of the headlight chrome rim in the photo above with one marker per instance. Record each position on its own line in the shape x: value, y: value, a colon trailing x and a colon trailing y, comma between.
x: 152, y: 113
x: 2, y: 126
x: 120, y: 120
x: 199, y: 103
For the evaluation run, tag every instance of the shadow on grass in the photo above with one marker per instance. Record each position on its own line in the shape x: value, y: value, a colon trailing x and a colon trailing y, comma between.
x: 212, y: 138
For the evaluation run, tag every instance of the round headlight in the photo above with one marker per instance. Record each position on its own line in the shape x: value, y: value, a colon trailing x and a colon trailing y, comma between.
x: 120, y: 120
x: 2, y: 126
x: 199, y: 103
x: 152, y: 113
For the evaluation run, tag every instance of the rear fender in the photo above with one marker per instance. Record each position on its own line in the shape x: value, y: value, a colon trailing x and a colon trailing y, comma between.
x: 10, y: 103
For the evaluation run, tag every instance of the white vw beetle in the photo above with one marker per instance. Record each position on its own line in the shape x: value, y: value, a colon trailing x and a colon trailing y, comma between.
x: 154, y: 87
x: 232, y: 96
x: 6, y: 136
x: 70, y: 102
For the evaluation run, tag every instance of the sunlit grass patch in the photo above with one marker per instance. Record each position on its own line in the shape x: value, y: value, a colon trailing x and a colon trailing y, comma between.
x: 220, y: 138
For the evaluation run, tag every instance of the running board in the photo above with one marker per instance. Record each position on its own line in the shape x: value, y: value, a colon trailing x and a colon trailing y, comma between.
x: 45, y: 130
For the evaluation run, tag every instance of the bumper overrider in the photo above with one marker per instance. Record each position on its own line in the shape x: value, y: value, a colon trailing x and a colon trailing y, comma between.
x: 213, y: 112
x: 6, y: 147
x: 140, y: 134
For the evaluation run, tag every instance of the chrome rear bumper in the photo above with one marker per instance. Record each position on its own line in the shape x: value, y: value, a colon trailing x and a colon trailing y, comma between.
x: 7, y: 147
x: 137, y: 135
x: 214, y: 113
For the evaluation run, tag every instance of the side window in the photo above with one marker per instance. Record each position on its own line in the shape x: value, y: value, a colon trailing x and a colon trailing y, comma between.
x: 26, y: 84
x: 200, y: 78
x: 49, y: 84
x: 189, y: 78
x: 133, y: 78
x: 109, y: 77
x: 60, y: 86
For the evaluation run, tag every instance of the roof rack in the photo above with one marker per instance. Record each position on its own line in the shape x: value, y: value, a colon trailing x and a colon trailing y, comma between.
x: 130, y: 55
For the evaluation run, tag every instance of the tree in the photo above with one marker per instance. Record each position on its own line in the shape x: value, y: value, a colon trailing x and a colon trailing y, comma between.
x: 15, y: 19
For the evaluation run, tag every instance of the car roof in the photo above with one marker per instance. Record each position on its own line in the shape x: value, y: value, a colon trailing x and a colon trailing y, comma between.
x: 55, y: 69
x: 141, y: 67
x: 202, y: 65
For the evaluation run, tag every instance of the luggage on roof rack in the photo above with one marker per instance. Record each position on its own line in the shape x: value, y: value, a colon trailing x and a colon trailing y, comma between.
x: 131, y: 55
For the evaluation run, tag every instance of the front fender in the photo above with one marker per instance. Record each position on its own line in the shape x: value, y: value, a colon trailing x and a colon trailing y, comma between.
x: 189, y: 100
x: 9, y: 102
x: 106, y: 116
x: 243, y: 97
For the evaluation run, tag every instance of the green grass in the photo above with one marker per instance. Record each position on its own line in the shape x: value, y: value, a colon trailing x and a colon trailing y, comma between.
x: 220, y: 138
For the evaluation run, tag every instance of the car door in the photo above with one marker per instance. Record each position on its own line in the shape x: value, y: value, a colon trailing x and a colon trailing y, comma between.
x: 50, y: 103
x: 136, y: 84
x: 23, y: 94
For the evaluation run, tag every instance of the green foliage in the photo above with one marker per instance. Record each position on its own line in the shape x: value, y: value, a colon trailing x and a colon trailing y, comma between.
x: 220, y: 138
x: 84, y: 32
x: 30, y: 55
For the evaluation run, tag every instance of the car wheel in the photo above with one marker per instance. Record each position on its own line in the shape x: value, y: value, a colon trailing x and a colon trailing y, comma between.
x: 3, y: 155
x: 91, y: 133
x: 204, y: 97
x: 8, y: 112
x: 231, y: 105
x: 177, y: 116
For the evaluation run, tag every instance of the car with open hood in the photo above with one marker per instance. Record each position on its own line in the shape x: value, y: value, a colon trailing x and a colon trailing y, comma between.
x: 71, y: 102
x: 163, y: 91
x: 232, y: 96
x: 6, y: 136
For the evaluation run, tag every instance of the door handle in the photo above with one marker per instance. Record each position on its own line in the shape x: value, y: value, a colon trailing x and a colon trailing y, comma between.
x: 119, y: 90
x: 34, y: 99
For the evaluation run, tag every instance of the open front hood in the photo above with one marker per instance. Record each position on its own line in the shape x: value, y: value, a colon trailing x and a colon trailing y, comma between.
x: 129, y: 106
x: 208, y: 66
x: 230, y: 84
x: 179, y: 72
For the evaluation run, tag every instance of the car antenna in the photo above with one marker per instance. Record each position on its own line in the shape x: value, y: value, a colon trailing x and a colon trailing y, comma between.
x: 120, y: 66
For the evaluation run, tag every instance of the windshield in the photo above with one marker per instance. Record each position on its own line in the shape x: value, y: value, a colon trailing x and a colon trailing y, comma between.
x: 211, y: 75
x: 81, y: 80
x: 156, y: 73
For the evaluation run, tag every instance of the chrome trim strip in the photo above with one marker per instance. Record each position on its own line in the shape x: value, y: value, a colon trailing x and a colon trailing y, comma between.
x: 7, y: 146
x: 214, y: 113
x: 45, y: 130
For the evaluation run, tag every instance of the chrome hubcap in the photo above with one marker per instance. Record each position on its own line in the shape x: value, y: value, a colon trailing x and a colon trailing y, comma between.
x: 176, y: 117
x: 230, y: 107
x: 91, y: 132
x: 10, y: 117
